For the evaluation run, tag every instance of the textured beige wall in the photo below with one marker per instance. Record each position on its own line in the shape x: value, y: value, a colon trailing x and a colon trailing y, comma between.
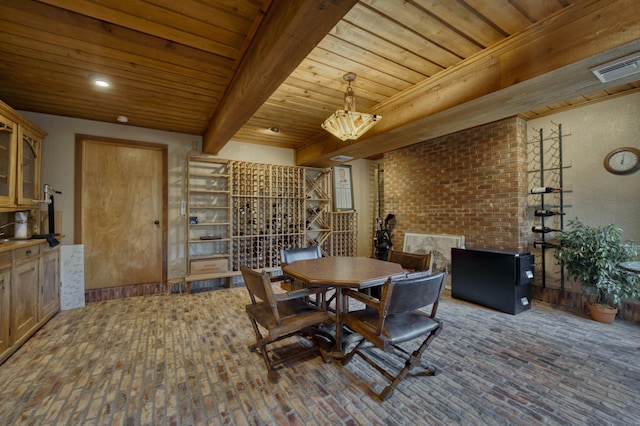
x: 598, y: 197
x: 58, y: 171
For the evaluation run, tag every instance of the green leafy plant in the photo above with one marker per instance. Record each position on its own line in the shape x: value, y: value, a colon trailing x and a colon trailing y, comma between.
x: 592, y: 255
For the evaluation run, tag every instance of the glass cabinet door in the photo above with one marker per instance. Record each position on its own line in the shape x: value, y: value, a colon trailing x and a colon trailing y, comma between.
x: 28, y: 169
x: 7, y: 161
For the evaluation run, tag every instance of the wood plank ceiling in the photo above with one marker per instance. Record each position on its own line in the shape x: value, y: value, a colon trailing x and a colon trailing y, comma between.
x: 234, y: 69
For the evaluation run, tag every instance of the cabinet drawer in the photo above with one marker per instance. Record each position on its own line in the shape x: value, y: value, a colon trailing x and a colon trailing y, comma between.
x: 26, y: 252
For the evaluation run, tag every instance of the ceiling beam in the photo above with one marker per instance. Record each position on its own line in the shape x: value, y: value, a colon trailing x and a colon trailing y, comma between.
x: 545, y: 64
x: 290, y: 30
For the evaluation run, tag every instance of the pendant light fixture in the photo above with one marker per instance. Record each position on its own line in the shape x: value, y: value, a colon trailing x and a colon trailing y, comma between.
x: 347, y: 124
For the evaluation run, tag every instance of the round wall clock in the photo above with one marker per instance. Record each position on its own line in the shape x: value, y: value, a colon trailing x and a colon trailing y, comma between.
x: 623, y: 161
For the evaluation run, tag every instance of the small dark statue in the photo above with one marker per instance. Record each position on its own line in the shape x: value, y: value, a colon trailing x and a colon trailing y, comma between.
x: 382, y: 240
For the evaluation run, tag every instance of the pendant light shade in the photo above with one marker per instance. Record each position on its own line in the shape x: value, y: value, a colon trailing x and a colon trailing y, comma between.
x: 347, y: 124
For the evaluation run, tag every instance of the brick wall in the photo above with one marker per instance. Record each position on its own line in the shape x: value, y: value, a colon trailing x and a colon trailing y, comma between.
x: 471, y: 183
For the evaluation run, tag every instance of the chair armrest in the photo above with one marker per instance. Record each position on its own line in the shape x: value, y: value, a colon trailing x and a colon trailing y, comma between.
x: 362, y: 297
x: 278, y: 278
x: 298, y: 293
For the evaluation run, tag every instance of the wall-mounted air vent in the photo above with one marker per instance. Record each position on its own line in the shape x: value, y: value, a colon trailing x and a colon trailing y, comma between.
x: 618, y: 68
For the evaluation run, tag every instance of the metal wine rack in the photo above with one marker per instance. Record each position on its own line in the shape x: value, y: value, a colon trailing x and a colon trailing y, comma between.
x: 546, y: 170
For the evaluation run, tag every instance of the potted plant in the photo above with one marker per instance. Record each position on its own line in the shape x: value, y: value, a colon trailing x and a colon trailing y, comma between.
x: 592, y: 255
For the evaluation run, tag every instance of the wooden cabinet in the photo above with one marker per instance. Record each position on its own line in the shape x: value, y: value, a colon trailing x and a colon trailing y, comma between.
x: 20, y: 160
x: 29, y: 159
x: 208, y: 218
x: 24, y: 292
x: 8, y: 144
x: 5, y: 288
x: 29, y: 291
x: 49, y: 297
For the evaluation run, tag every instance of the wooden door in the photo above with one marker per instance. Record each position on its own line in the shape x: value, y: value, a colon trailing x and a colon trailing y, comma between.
x: 120, y: 211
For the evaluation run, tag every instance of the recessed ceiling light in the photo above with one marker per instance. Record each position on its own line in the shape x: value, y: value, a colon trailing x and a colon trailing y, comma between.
x: 274, y: 129
x: 100, y: 81
x: 123, y: 119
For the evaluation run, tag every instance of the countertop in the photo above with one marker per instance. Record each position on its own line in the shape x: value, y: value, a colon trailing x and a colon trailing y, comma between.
x: 13, y: 244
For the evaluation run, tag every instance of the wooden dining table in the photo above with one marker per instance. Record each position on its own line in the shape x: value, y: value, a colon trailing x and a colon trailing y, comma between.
x: 341, y: 272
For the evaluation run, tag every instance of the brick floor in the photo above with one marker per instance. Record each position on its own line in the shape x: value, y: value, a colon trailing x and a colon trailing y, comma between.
x: 182, y: 359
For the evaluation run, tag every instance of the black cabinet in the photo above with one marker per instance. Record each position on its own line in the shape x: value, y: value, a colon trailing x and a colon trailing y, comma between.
x: 497, y: 279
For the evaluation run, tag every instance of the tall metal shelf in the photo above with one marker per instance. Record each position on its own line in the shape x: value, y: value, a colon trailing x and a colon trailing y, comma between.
x: 546, y: 170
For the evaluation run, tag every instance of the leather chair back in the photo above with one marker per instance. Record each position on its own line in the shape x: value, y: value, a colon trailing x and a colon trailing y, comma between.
x: 289, y: 256
x: 411, y: 261
x: 413, y: 293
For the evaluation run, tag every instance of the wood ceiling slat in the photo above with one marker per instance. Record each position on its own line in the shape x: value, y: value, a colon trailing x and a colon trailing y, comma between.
x: 288, y: 126
x: 126, y: 45
x: 381, y: 83
x: 397, y: 35
x: 175, y: 27
x: 316, y: 98
x: 370, y: 42
x: 140, y: 100
x: 501, y: 81
x: 425, y: 25
x: 289, y: 33
x: 502, y: 13
x: 537, y: 10
x: 395, y: 47
x: 368, y: 89
x: 23, y: 53
x: 89, y: 109
x: 620, y: 89
x: 579, y: 101
x: 293, y: 101
x: 242, y: 7
x: 235, y: 16
x: 465, y: 21
x: 372, y: 60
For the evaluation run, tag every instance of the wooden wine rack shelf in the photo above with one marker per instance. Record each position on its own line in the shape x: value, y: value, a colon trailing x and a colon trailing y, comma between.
x: 268, y: 213
x: 258, y: 209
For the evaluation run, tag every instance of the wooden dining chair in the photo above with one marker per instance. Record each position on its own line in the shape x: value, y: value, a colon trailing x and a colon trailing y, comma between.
x: 288, y: 256
x: 411, y: 262
x: 283, y: 315
x: 399, y: 316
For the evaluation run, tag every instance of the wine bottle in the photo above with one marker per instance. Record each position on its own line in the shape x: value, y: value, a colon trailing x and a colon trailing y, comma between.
x: 544, y: 190
x: 547, y: 213
x: 543, y: 229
